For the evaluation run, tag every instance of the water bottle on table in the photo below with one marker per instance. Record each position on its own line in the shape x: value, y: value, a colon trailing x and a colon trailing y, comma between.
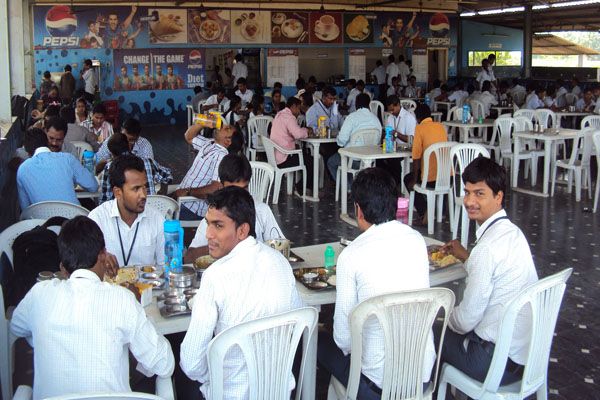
x: 466, y: 110
x: 88, y: 160
x: 329, y: 259
x: 389, y: 139
x: 173, y: 247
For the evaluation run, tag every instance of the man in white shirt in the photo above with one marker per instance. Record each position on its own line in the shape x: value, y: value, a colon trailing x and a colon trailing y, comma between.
x: 87, y: 74
x: 217, y: 102
x: 395, y: 89
x: 485, y: 74
x: 391, y: 70
x: 365, y: 269
x: 239, y: 70
x: 402, y: 120
x: 379, y: 74
x: 243, y: 92
x: 351, y: 100
x: 138, y: 145
x: 459, y: 95
x: 249, y: 280
x: 487, y: 98
x: 586, y: 103
x: 576, y: 89
x: 83, y: 329
x: 534, y: 99
x: 403, y: 71
x: 499, y: 267
x: 235, y: 170
x: 132, y: 231
x: 560, y: 100
x: 412, y: 90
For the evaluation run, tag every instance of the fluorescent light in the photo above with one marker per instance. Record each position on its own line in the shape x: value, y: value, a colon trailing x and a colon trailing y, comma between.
x: 501, y: 10
x: 468, y: 14
x: 574, y: 3
x: 540, y: 7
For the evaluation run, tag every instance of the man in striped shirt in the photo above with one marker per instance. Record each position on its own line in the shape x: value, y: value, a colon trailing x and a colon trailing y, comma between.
x: 138, y: 145
x: 203, y: 177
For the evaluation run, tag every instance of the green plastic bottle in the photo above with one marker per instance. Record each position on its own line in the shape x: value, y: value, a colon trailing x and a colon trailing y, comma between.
x: 329, y: 259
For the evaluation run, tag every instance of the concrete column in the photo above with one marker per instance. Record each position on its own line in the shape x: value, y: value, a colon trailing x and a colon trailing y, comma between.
x: 28, y: 47
x: 459, y: 48
x: 4, y: 67
x: 527, y: 42
x: 17, y: 51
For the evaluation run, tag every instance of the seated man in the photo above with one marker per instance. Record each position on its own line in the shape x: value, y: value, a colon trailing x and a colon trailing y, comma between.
x: 243, y: 92
x: 235, y: 170
x: 586, y: 103
x: 534, y: 99
x: 48, y: 175
x: 76, y: 131
x: 132, y: 231
x: 234, y: 289
x: 365, y: 269
x: 359, y: 89
x: 412, y: 90
x: 359, y: 120
x: 427, y: 133
x: 85, y: 348
x: 98, y: 124
x: 216, y: 102
x: 119, y: 145
x: 56, y: 129
x: 499, y: 267
x: 203, y: 177
x: 487, y: 98
x: 138, y: 145
x: 325, y: 107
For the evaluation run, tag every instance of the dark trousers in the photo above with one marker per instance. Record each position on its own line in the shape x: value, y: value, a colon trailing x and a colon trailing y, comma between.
x: 420, y: 199
x: 382, y: 92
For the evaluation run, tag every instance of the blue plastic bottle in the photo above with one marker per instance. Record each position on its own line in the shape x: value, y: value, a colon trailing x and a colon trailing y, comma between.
x: 465, y: 113
x: 173, y: 247
x: 427, y: 100
x: 88, y: 160
x: 389, y: 139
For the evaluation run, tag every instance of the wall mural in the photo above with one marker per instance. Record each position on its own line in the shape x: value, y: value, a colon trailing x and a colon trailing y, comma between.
x: 150, y: 56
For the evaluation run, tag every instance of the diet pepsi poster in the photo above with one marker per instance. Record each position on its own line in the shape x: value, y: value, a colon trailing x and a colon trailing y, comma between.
x: 158, y: 69
x: 414, y: 30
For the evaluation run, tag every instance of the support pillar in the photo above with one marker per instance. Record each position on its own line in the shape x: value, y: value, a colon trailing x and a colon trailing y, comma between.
x: 5, y: 93
x: 459, y: 48
x: 16, y: 15
x: 527, y: 42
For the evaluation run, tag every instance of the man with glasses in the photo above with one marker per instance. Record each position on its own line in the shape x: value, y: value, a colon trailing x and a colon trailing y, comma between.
x: 138, y: 145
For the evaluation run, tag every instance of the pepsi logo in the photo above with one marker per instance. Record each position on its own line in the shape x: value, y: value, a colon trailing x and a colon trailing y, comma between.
x: 439, y: 25
x: 195, y: 57
x: 61, y: 21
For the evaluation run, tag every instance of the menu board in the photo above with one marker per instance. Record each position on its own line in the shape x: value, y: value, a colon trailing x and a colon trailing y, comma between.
x: 359, y: 28
x: 289, y: 27
x: 420, y: 67
x: 213, y: 26
x: 282, y: 66
x: 357, y: 64
x: 250, y: 27
x: 170, y: 27
x: 325, y: 28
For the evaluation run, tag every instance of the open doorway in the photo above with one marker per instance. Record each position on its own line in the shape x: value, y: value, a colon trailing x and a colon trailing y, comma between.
x: 437, y: 65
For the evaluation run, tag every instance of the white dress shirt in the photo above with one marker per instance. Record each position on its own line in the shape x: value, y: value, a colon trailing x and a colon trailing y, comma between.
x: 351, y: 99
x: 252, y: 281
x: 458, y: 96
x: 239, y: 70
x: 246, y: 96
x: 266, y: 227
x: 576, y: 91
x: 484, y: 75
x: 142, y: 148
x: 391, y: 71
x: 488, y: 100
x: 82, y: 330
x: 149, y: 245
x: 560, y: 99
x: 499, y: 267
x: 533, y: 102
x: 404, y: 123
x: 357, y: 121
x: 214, y: 101
x: 404, y: 72
x: 580, y: 106
x: 367, y: 268
x: 379, y: 73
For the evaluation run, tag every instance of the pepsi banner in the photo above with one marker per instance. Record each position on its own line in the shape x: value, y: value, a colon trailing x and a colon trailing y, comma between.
x: 158, y: 69
x: 414, y: 30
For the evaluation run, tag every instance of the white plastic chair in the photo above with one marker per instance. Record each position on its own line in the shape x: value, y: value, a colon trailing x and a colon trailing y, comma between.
x: 260, y: 183
x: 544, y: 299
x: 578, y: 164
x: 545, y: 117
x: 454, y: 114
x: 164, y: 204
x: 525, y: 112
x: 164, y: 391
x: 410, y: 104
x: 478, y: 109
x: 81, y: 147
x: 7, y: 341
x: 530, y: 156
x: 596, y: 140
x: 257, y: 128
x: 181, y: 203
x: 363, y: 137
x: 190, y: 114
x: 406, y: 319
x: 591, y: 121
x: 570, y: 98
x: 503, y: 122
x: 49, y: 209
x: 8, y: 235
x: 377, y: 109
x: 268, y: 346
x: 462, y: 155
x: 289, y: 172
x: 441, y: 152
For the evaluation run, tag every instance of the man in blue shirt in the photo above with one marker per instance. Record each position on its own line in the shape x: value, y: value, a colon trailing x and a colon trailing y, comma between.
x: 50, y: 176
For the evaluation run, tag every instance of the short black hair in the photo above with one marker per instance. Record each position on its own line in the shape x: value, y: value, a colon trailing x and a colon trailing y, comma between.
x: 47, y: 74
x: 237, y: 204
x: 392, y: 100
x: 121, y: 164
x: 53, y: 110
x: 300, y: 83
x: 275, y: 91
x: 235, y: 168
x: 486, y: 170
x: 68, y: 114
x: 80, y: 241
x: 363, y: 100
x: 34, y: 138
x: 238, y: 57
x: 329, y: 90
x: 378, y: 63
x: 360, y: 82
x: 118, y: 144
x: 486, y: 86
x: 99, y: 109
x: 374, y: 190
x: 277, y: 85
x: 437, y: 83
x: 391, y: 58
x: 400, y: 58
x: 308, y: 99
x: 68, y: 68
x: 58, y: 124
x: 241, y: 81
x: 132, y: 126
x: 237, y: 142
x: 292, y: 101
x: 197, y: 89
x: 88, y: 62
x: 422, y: 111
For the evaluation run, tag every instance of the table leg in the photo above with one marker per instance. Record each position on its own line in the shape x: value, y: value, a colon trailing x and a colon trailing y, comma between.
x: 344, y: 188
x: 515, y: 162
x: 315, y: 147
x: 547, y: 157
x: 405, y: 169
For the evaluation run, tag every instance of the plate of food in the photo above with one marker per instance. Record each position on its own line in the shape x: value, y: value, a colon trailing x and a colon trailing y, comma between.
x: 124, y: 275
x: 328, y: 35
x: 250, y: 29
x: 278, y: 18
x: 358, y: 29
x: 292, y: 28
x: 316, y: 278
x: 204, y: 262
x: 209, y: 30
x: 167, y: 27
x: 440, y: 259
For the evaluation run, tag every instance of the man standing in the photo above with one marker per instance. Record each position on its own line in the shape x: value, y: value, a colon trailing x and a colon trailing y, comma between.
x: 138, y: 145
x: 351, y: 99
x: 367, y: 268
x: 234, y: 289
x: 48, y: 175
x: 66, y: 87
x: 485, y: 74
x: 235, y: 170
x: 239, y: 70
x: 98, y: 124
x: 89, y: 78
x: 403, y: 71
x: 83, y: 329
x: 391, y: 71
x: 132, y: 231
x: 203, y: 176
x: 499, y: 267
x: 379, y: 74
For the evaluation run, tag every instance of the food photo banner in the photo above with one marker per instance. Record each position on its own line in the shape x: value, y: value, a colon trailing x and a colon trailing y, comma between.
x: 130, y: 27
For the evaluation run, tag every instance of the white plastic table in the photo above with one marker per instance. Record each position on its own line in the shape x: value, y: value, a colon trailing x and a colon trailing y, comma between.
x: 548, y: 140
x: 501, y: 109
x: 464, y: 129
x: 561, y: 114
x: 315, y: 144
x: 436, y: 116
x: 447, y: 104
x: 366, y: 155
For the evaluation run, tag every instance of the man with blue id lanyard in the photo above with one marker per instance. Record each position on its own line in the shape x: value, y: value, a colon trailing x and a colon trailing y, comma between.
x: 499, y: 267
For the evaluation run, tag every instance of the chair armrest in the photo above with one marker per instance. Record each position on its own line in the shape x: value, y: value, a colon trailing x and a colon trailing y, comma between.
x: 286, y: 151
x: 23, y: 393
x: 164, y: 388
x: 183, y: 199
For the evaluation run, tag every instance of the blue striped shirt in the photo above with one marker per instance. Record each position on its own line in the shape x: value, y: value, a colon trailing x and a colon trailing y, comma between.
x: 49, y: 176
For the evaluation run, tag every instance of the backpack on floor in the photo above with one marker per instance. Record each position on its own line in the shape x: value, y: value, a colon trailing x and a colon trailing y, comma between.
x: 33, y: 251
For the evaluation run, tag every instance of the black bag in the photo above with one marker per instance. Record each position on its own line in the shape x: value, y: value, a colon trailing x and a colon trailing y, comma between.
x: 33, y: 251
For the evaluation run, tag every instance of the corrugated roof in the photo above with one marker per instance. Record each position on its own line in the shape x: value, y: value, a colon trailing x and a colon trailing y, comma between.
x: 554, y: 45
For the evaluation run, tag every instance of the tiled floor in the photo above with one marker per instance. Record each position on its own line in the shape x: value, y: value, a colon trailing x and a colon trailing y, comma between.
x: 561, y: 232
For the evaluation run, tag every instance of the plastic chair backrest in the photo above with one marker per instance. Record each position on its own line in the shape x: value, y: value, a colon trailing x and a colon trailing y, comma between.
x: 543, y: 299
x: 477, y: 109
x: 582, y: 147
x: 570, y: 98
x: 524, y: 112
x: 545, y: 117
x: 441, y: 152
x: 111, y: 396
x: 377, y: 109
x: 258, y: 126
x: 260, y: 183
x: 268, y: 346
x: 455, y: 113
x: 519, y: 97
x: 270, y: 151
x: 81, y: 147
x: 505, y: 128
x: 462, y: 155
x: 165, y: 205
x: 591, y: 121
x: 8, y: 235
x: 49, y: 209
x: 412, y: 106
x: 365, y: 137
x: 523, y: 124
x: 406, y: 319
